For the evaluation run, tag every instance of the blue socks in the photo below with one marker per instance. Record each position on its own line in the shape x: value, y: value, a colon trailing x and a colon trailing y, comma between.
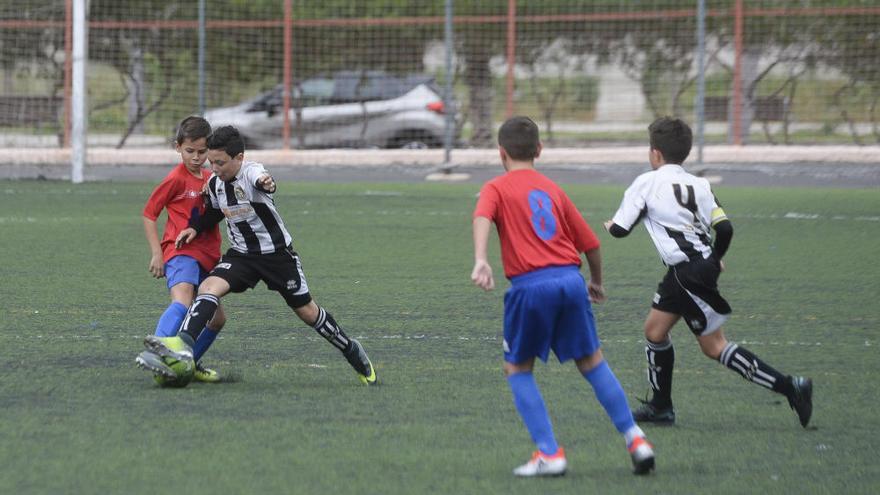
x: 530, y: 405
x: 206, y: 338
x: 169, y: 324
x: 170, y: 320
x: 611, y: 396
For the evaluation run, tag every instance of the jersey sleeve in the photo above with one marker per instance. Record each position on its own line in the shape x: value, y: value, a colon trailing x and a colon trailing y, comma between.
x: 710, y: 209
x: 487, y: 203
x: 632, y: 206
x: 583, y: 236
x: 254, y: 172
x: 160, y: 197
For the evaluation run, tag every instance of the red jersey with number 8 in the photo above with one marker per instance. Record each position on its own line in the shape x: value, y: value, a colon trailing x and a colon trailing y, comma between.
x: 181, y: 194
x: 538, y: 225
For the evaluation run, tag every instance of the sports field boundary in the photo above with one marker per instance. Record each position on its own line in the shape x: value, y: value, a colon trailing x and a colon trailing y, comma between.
x: 460, y: 157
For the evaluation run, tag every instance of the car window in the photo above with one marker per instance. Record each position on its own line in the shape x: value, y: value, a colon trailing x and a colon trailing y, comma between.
x: 317, y: 91
x: 342, y: 87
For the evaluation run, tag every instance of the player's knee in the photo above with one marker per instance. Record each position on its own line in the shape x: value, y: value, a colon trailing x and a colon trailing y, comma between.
x: 215, y: 286
x: 656, y: 334
x: 587, y: 363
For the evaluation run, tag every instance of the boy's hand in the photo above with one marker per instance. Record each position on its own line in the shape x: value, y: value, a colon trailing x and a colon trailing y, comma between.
x: 157, y: 266
x: 608, y: 224
x: 482, y: 275
x: 596, y: 292
x: 185, y: 237
x: 721, y: 265
x: 266, y: 183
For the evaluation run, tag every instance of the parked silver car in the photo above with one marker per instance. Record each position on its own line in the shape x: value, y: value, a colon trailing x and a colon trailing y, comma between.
x: 349, y: 109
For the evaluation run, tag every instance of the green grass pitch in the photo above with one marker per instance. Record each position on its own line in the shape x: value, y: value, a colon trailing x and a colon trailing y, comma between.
x: 392, y: 263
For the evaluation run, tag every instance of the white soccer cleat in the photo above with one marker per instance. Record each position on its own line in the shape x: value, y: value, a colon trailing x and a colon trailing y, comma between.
x: 542, y: 464
x: 642, y: 454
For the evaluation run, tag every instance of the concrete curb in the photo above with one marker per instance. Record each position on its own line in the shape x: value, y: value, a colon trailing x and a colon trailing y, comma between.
x: 431, y: 159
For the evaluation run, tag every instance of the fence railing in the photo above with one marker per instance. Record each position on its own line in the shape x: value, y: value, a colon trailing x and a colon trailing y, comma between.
x: 813, y: 67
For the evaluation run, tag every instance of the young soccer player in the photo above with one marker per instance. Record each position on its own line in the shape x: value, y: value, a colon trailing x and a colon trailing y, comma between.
x: 261, y: 249
x: 679, y: 209
x: 184, y: 267
x: 548, y: 304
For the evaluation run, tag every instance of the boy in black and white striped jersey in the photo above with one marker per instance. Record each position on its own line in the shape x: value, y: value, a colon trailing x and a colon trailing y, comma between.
x: 679, y: 211
x: 260, y: 249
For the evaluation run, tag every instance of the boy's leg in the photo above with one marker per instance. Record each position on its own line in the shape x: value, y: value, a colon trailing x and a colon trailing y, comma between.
x: 660, y: 355
x: 169, y: 322
x: 610, y: 394
x: 201, y: 311
x: 182, y: 275
x: 549, y: 459
x: 798, y: 390
x: 530, y: 405
x: 209, y: 333
x: 323, y: 322
x: 289, y: 280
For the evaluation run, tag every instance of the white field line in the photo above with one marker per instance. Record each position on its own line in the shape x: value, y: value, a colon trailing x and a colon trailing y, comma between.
x: 401, y: 337
x: 791, y: 215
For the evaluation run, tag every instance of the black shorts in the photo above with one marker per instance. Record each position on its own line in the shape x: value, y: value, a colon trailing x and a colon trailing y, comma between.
x: 690, y: 289
x: 281, y: 271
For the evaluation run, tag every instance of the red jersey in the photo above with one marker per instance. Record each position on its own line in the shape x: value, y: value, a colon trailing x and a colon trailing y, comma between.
x: 180, y: 192
x: 537, y: 223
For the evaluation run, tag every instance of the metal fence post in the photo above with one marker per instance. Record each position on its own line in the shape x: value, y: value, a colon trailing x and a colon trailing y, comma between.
x: 201, y: 55
x: 450, y: 101
x: 701, y: 79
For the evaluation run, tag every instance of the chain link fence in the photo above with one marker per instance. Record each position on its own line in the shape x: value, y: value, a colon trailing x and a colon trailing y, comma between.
x: 373, y: 73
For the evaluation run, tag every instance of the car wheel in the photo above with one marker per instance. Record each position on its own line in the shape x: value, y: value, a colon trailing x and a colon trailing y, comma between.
x: 414, y: 140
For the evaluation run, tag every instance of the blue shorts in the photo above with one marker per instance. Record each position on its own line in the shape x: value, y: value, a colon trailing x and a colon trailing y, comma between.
x: 184, y: 269
x: 548, y: 309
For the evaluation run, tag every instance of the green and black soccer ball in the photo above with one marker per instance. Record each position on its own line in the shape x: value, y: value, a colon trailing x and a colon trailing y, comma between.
x: 183, y: 369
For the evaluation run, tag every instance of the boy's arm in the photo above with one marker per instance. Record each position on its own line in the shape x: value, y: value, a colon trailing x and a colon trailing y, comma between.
x: 594, y: 285
x: 723, y: 236
x: 208, y: 220
x: 159, y: 198
x: 631, y: 211
x: 157, y: 263
x: 616, y: 230
x: 482, y: 272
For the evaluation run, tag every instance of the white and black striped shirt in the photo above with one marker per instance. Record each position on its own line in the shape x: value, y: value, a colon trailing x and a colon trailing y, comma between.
x: 252, y: 222
x: 678, y: 208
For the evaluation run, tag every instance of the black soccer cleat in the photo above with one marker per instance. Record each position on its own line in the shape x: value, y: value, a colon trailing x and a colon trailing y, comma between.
x: 358, y: 360
x: 801, y: 398
x: 649, y: 413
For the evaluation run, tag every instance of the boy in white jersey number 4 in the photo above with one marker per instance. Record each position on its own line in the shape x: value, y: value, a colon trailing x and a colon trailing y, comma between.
x: 678, y: 210
x: 261, y: 250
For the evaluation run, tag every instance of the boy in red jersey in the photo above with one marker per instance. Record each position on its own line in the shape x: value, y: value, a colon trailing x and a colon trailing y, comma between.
x: 548, y: 305
x: 180, y: 193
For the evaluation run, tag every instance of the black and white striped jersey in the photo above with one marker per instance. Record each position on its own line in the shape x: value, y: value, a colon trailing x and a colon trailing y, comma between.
x: 678, y: 209
x: 253, y: 225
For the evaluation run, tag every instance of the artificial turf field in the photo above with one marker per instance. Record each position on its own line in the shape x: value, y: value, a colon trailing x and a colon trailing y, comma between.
x: 392, y: 263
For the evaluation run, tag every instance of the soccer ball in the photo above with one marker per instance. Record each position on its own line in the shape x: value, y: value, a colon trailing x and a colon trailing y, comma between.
x: 184, y: 370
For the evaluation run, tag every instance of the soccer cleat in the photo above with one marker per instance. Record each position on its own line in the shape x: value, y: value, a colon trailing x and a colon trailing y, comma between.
x: 649, y: 413
x: 151, y: 362
x: 642, y: 454
x: 358, y: 360
x: 801, y: 398
x: 205, y: 375
x: 542, y: 464
x: 169, y: 347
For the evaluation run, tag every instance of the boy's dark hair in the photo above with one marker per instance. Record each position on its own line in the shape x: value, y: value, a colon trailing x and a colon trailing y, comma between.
x: 672, y: 138
x: 520, y: 138
x: 193, y: 128
x: 228, y: 139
